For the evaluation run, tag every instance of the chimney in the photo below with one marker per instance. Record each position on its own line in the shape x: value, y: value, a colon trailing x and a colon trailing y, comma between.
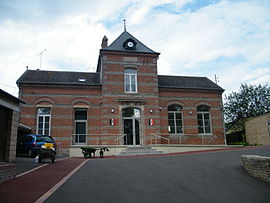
x: 104, y: 43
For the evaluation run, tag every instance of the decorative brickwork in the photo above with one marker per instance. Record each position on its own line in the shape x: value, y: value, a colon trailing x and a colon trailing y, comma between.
x: 105, y: 96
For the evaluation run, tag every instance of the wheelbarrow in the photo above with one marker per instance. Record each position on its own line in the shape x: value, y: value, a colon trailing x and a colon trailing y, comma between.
x: 90, y: 152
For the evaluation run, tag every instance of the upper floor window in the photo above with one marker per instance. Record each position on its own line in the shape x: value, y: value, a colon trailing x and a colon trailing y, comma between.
x: 204, y: 120
x: 130, y: 80
x: 175, y: 119
x: 44, y: 121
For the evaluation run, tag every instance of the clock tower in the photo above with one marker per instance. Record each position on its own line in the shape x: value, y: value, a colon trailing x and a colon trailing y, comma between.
x: 130, y: 97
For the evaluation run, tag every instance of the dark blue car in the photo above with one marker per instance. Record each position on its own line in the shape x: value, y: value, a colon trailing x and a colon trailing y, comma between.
x: 31, y: 144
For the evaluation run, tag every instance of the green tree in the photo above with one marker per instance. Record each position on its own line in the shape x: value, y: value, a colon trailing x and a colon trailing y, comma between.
x: 250, y: 101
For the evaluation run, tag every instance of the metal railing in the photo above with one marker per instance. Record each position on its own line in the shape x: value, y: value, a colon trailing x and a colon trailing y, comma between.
x: 117, y: 140
x: 158, y: 137
x: 154, y: 138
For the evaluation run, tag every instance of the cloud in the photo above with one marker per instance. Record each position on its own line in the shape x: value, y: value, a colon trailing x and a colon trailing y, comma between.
x: 227, y: 38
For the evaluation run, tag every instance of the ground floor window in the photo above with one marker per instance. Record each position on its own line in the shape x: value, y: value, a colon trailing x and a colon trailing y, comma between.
x: 204, y: 120
x: 175, y: 119
x: 80, y: 125
x: 43, y: 121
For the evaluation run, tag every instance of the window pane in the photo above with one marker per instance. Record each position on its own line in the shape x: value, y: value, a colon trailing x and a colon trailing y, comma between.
x: 47, y: 119
x: 133, y: 88
x: 174, y: 107
x: 132, y: 79
x: 127, y: 83
x: 178, y: 115
x: 128, y: 112
x: 171, y: 123
x: 171, y: 129
x: 80, y: 115
x: 206, y: 123
x: 44, y: 111
x: 82, y: 138
x: 199, y: 116
x: 130, y: 70
x: 40, y: 126
x: 80, y: 128
x: 137, y: 113
x: 178, y: 122
x: 200, y: 128
x: 206, y: 116
x: 171, y: 115
x: 179, y: 129
x: 203, y: 108
x: 40, y: 119
x: 207, y: 130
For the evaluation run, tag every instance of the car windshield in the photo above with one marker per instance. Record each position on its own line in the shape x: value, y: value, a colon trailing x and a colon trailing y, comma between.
x: 44, y: 139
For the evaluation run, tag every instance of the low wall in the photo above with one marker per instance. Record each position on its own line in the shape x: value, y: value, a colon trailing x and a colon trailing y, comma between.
x: 7, y: 172
x: 257, y: 166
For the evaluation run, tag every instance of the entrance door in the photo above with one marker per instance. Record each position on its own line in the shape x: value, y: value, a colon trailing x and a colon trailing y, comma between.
x: 131, y: 125
x: 131, y: 129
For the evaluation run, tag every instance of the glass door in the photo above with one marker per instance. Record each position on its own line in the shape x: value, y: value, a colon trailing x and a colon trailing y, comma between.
x: 131, y: 125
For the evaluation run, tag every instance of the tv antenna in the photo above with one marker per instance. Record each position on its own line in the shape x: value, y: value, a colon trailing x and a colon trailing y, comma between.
x: 216, y: 79
x: 40, y: 64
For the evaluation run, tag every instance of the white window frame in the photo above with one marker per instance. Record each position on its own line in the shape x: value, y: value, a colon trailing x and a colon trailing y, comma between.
x: 203, y: 113
x: 43, y: 123
x: 174, y: 120
x: 128, y: 80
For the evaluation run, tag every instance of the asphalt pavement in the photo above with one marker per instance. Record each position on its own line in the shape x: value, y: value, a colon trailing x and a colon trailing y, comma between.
x: 201, y: 177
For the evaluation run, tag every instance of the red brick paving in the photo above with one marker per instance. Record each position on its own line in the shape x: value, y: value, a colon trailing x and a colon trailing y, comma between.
x: 31, y: 186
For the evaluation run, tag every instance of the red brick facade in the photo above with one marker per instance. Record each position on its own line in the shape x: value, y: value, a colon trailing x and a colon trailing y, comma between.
x: 104, y: 104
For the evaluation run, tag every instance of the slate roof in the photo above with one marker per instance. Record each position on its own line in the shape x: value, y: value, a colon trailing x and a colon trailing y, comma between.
x: 117, y: 45
x: 9, y: 97
x: 59, y: 78
x: 72, y: 78
x: 185, y: 82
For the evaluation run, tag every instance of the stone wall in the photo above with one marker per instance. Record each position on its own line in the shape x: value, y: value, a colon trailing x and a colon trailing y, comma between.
x: 7, y: 172
x: 257, y: 166
x: 257, y: 130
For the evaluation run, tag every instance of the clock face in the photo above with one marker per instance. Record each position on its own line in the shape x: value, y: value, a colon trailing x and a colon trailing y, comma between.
x: 130, y: 44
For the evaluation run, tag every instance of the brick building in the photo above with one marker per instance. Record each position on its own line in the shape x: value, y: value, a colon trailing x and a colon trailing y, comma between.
x: 258, y: 130
x: 125, y: 102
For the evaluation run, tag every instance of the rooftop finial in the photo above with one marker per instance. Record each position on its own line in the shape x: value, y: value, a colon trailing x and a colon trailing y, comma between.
x: 125, y: 29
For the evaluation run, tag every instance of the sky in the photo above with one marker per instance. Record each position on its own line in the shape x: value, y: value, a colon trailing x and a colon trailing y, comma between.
x: 226, y: 38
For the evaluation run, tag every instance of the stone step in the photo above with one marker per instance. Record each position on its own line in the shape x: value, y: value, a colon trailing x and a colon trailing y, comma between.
x: 139, y: 151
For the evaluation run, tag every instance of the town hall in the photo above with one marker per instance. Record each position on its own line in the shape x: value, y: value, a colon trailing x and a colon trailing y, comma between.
x: 123, y: 103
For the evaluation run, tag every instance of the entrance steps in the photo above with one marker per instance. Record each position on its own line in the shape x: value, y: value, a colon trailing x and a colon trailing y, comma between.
x: 139, y: 151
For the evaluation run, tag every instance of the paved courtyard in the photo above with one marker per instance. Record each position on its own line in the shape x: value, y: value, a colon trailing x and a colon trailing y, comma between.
x: 204, y: 177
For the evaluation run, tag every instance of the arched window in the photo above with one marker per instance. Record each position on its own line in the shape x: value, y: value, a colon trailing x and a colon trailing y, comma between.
x: 204, y: 120
x: 43, y: 120
x: 130, y: 80
x: 175, y: 119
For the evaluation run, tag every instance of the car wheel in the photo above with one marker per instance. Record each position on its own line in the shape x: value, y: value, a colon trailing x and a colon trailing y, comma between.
x: 30, y: 153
